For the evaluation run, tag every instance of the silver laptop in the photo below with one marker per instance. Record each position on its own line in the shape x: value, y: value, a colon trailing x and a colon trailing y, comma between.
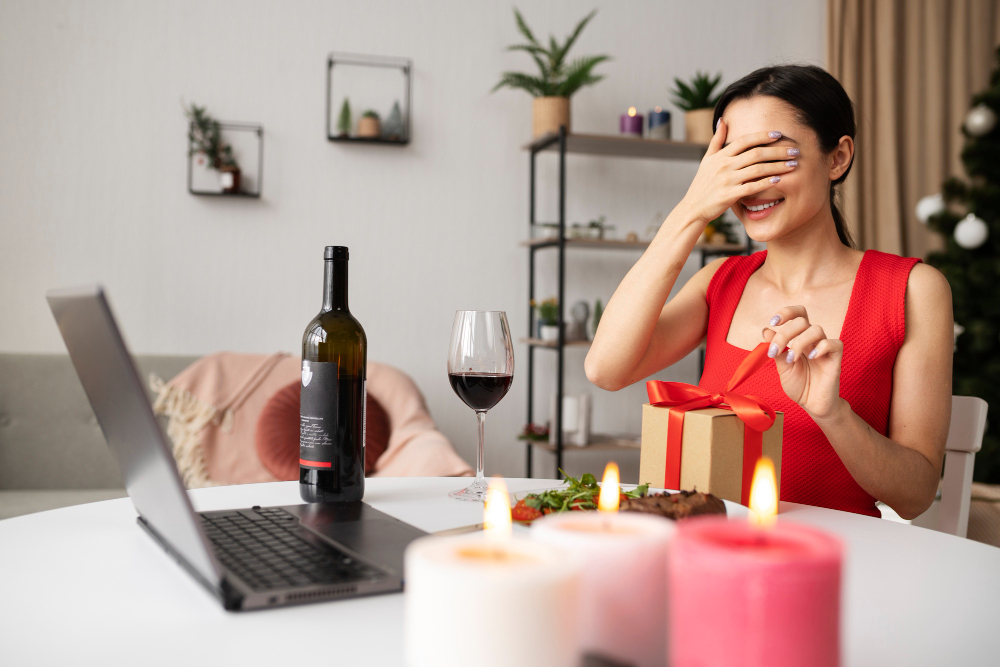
x: 249, y: 558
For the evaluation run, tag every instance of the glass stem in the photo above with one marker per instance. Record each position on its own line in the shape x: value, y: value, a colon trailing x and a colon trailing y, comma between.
x: 481, y: 418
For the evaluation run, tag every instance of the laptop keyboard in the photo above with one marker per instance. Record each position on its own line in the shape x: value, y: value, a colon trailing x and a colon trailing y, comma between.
x: 269, y: 552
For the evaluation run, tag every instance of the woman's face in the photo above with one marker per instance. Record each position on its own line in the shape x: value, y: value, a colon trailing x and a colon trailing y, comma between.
x: 806, y: 188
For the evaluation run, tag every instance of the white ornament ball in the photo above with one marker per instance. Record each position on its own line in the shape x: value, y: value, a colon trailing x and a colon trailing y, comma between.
x: 971, y: 232
x: 929, y: 206
x: 980, y: 120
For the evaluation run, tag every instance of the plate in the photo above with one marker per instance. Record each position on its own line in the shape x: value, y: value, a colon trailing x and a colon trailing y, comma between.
x: 733, y: 510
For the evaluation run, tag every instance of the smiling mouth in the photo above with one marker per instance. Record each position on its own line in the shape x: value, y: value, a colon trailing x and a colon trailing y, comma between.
x: 764, y: 207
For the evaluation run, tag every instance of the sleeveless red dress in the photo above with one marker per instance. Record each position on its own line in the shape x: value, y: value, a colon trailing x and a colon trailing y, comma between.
x: 811, y: 471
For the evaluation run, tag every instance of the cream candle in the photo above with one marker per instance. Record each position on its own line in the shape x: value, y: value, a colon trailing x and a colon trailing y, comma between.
x: 754, y: 595
x: 622, y: 610
x: 490, y: 598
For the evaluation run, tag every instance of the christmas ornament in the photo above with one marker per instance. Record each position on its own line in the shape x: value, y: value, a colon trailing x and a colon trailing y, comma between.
x: 929, y: 206
x: 959, y: 330
x: 980, y: 120
x: 971, y: 232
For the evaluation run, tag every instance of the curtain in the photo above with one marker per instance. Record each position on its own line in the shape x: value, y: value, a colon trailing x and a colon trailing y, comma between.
x: 911, y: 67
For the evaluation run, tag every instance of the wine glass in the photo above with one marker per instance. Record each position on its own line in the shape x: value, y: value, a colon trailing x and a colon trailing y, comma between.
x: 481, y: 368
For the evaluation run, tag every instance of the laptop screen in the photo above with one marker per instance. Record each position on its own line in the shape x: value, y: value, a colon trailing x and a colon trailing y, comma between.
x: 116, y: 394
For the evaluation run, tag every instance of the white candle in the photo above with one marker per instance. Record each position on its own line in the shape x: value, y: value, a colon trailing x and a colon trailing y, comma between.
x: 623, y: 609
x: 490, y: 599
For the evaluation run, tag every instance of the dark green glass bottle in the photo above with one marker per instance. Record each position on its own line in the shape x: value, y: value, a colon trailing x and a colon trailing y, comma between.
x: 332, y: 409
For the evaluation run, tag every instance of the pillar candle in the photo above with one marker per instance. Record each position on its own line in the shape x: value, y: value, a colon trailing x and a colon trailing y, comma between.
x: 659, y: 124
x: 470, y: 600
x: 752, y: 596
x: 630, y: 123
x: 622, y: 611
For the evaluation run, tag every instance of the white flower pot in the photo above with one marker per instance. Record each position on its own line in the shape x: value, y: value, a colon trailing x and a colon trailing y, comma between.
x: 550, y: 333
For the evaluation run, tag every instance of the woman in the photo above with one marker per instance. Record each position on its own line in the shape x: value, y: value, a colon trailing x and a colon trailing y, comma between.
x: 861, y: 341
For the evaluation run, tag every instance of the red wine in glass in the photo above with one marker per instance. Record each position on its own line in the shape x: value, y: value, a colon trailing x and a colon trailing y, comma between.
x: 480, y: 391
x: 481, y: 369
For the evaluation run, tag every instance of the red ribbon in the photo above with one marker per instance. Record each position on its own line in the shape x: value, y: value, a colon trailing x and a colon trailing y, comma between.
x: 757, y: 416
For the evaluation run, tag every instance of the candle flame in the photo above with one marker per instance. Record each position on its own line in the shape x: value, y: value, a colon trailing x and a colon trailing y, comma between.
x: 631, y: 111
x: 496, y: 514
x: 610, y: 489
x: 764, y: 493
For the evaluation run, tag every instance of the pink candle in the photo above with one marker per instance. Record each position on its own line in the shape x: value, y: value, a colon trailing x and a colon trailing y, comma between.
x: 746, y: 595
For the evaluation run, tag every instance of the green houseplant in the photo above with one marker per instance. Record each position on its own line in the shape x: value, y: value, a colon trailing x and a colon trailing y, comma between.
x: 548, y: 319
x: 368, y: 126
x: 344, y: 119
x: 698, y: 103
x: 205, y: 137
x: 557, y: 80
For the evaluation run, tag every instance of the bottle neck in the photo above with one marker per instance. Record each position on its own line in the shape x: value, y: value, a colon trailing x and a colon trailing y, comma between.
x: 335, y: 285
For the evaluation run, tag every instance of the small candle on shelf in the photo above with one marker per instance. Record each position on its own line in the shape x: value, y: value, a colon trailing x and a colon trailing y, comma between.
x: 630, y: 123
x: 622, y: 612
x: 659, y: 124
x: 490, y: 598
x: 756, y: 593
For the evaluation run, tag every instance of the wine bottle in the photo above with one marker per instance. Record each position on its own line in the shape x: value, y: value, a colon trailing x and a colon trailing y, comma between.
x: 332, y: 408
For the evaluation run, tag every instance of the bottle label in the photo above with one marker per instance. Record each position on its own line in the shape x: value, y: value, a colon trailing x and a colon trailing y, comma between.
x: 318, y: 413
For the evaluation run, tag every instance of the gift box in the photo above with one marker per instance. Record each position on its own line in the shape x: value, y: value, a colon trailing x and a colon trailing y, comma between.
x: 695, y: 439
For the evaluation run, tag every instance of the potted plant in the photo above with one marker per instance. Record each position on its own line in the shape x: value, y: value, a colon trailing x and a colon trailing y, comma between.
x: 205, y: 137
x: 698, y: 104
x: 557, y: 79
x: 393, y: 128
x: 368, y: 126
x: 344, y: 120
x: 548, y: 319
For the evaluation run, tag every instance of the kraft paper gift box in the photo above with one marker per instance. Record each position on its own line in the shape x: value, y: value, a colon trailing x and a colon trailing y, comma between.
x: 689, y: 443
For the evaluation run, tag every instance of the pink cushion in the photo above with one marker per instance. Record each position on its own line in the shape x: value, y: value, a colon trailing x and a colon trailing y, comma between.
x: 277, y: 436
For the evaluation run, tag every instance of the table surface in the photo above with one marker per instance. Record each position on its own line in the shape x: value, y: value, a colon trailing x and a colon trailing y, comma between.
x: 85, y: 584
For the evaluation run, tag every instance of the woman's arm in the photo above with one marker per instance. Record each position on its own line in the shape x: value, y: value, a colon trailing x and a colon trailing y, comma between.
x: 903, y: 470
x: 639, y: 335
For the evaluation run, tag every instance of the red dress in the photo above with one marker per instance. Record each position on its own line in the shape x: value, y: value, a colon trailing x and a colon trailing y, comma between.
x: 811, y: 471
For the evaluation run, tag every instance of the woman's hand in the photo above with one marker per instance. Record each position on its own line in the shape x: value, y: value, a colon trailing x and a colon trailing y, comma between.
x: 808, y: 362
x: 741, y: 169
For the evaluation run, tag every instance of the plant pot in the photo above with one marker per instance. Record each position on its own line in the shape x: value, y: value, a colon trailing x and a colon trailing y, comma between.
x: 698, y: 126
x: 229, y: 178
x: 548, y: 114
x: 368, y: 127
x: 550, y: 333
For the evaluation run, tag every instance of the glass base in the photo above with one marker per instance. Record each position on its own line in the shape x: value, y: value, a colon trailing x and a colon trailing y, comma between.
x: 475, y: 491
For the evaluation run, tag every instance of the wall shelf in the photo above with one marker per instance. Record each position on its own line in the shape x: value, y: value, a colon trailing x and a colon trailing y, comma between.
x: 563, y: 144
x: 375, y: 86
x: 244, y: 138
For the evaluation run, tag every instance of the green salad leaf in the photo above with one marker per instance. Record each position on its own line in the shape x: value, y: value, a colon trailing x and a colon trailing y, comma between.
x: 580, y: 493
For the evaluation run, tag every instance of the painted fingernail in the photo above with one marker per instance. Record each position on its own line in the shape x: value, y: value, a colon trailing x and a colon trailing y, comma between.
x: 717, y: 124
x: 790, y: 357
x: 772, y: 351
x: 775, y: 179
x: 774, y: 135
x: 793, y: 152
x: 774, y: 320
x: 791, y: 163
x: 812, y: 355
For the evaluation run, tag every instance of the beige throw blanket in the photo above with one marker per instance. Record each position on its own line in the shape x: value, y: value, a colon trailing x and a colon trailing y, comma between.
x: 213, y: 407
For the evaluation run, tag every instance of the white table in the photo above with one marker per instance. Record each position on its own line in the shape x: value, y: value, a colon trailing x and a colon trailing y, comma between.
x: 85, y: 585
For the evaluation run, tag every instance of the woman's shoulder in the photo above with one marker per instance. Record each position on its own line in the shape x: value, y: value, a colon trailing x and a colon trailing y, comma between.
x: 719, y: 272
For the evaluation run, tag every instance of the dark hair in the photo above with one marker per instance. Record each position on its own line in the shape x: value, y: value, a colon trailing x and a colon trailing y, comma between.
x: 820, y: 103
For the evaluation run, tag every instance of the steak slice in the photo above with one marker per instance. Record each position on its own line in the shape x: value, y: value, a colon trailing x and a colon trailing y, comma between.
x: 675, y: 505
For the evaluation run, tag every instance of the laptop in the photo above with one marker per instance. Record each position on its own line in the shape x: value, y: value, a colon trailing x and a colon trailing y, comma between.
x: 249, y: 558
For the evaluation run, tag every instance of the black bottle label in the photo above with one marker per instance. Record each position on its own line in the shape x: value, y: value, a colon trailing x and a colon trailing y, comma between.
x: 318, y: 414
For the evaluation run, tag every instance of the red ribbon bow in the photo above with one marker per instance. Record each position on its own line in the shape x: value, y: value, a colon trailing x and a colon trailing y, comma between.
x: 680, y: 397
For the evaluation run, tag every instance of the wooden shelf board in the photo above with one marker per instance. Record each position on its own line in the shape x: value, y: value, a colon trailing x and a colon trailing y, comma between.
x: 621, y: 146
x: 625, y: 245
x: 538, y: 342
x: 597, y: 443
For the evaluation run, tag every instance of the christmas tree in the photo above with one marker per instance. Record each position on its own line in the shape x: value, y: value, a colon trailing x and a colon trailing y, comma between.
x: 971, y: 263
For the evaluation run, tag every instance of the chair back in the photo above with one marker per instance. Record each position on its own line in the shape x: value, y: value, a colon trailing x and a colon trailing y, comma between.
x: 965, y: 438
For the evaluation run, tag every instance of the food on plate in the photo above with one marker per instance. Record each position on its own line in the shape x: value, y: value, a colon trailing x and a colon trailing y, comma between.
x: 675, y: 505
x: 580, y: 494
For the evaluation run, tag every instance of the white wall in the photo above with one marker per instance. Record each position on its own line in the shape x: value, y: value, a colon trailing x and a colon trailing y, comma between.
x: 93, y: 172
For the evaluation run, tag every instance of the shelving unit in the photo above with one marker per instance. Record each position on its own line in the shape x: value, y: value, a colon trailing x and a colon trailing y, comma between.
x: 341, y: 60
x: 563, y: 144
x: 257, y: 178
